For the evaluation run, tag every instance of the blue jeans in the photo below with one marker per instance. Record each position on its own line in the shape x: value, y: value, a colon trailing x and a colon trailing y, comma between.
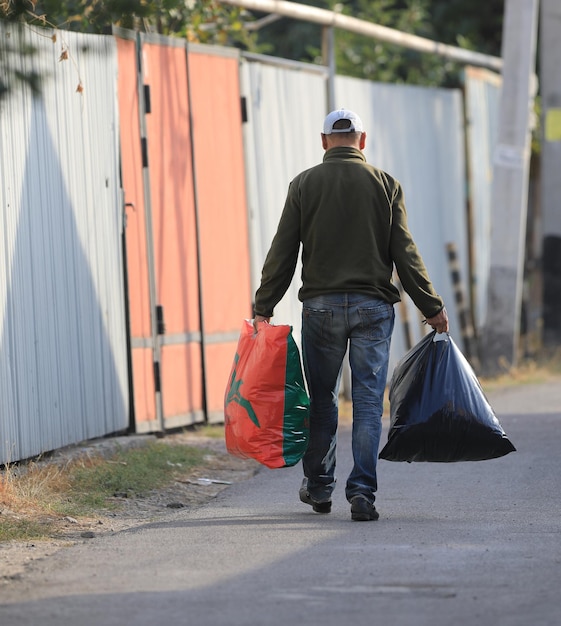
x: 329, y: 324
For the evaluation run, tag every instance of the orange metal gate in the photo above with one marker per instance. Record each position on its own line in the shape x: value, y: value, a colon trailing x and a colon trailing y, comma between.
x: 222, y: 212
x: 187, y: 232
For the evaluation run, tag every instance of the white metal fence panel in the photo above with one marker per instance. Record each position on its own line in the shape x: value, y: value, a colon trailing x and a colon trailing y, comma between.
x: 483, y: 90
x: 63, y: 357
x: 416, y: 135
x: 286, y: 106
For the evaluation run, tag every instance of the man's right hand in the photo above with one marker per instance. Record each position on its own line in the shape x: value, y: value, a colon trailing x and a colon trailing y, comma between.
x: 258, y: 319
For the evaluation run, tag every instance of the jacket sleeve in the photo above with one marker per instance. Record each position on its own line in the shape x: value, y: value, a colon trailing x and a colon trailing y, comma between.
x: 408, y: 261
x: 281, y: 259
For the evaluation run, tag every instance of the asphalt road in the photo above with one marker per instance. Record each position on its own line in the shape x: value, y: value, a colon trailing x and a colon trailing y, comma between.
x: 465, y: 544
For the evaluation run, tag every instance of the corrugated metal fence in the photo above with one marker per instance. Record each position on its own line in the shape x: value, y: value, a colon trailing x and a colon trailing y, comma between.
x: 106, y: 319
x: 63, y: 374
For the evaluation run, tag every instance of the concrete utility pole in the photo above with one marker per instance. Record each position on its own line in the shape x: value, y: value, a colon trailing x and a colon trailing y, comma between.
x: 550, y: 85
x: 510, y: 185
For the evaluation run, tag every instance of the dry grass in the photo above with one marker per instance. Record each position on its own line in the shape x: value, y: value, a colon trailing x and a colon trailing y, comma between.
x: 35, y: 495
x: 29, y: 488
x: 25, y: 503
x: 529, y: 371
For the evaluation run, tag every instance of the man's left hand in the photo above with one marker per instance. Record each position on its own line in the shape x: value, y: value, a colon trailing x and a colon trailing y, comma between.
x: 439, y: 322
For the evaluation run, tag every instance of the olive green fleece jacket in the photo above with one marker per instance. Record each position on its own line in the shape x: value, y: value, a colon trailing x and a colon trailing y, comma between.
x: 350, y: 218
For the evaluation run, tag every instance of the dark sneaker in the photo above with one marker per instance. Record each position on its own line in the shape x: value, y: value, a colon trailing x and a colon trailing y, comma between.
x: 362, y: 510
x: 319, y: 507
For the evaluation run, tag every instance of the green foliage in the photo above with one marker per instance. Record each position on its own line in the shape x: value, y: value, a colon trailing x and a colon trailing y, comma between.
x: 293, y: 39
x: 471, y: 24
x: 365, y: 58
x: 205, y: 21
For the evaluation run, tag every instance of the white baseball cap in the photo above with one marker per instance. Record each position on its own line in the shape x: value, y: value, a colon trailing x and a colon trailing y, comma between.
x: 342, y: 114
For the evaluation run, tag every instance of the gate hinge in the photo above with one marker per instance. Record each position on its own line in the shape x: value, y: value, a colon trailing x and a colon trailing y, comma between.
x: 157, y: 377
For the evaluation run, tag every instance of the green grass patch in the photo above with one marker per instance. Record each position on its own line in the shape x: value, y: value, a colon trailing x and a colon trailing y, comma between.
x: 87, y: 485
x: 24, y: 529
x: 212, y: 431
x: 128, y: 473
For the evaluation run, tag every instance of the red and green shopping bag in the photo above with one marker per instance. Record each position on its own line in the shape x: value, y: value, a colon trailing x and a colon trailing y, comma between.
x: 266, y: 407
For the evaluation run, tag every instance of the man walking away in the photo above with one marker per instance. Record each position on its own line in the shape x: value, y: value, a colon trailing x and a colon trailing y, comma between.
x: 351, y: 220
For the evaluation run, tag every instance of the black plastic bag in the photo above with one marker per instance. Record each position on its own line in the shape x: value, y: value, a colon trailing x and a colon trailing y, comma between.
x: 438, y: 411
